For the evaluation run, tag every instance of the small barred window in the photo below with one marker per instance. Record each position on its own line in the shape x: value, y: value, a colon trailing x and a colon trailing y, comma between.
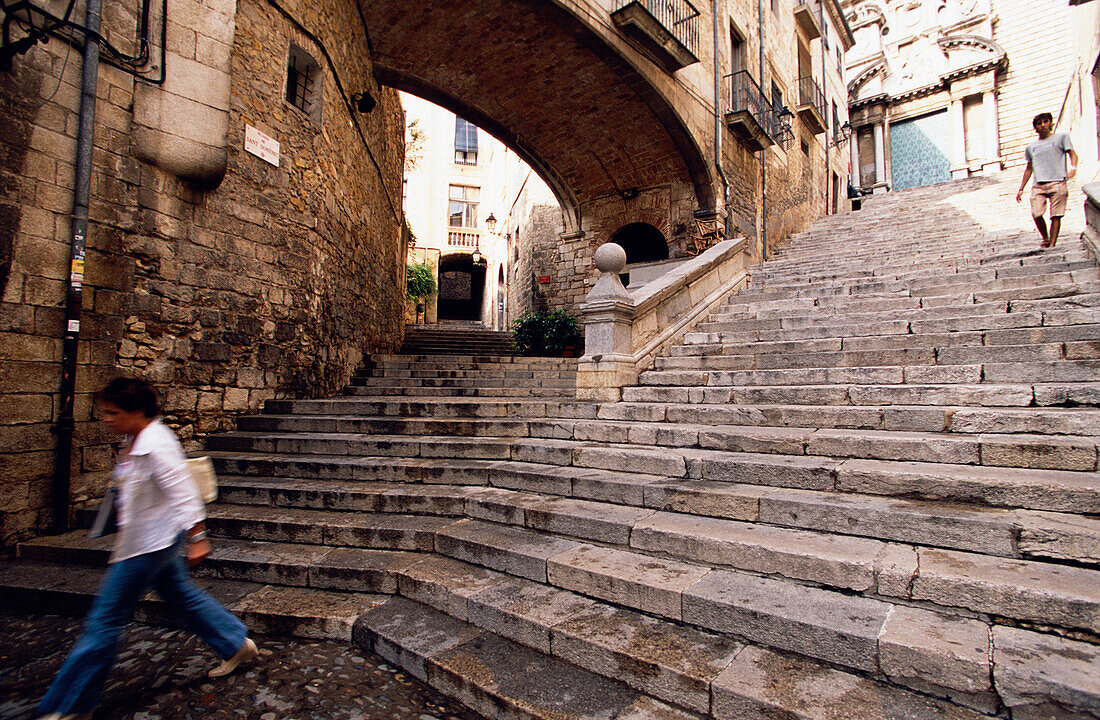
x: 303, y: 82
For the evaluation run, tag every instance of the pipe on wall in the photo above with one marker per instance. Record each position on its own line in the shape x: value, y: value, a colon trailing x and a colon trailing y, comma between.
x: 81, y: 194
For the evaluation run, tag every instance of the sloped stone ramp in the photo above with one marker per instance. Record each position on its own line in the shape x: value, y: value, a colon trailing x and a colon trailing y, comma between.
x: 865, y: 488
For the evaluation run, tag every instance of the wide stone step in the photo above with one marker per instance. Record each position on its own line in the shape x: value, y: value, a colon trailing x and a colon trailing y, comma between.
x: 856, y: 393
x: 495, y: 676
x: 768, y: 286
x: 462, y: 382
x: 896, y: 357
x: 1019, y: 589
x: 493, y: 673
x: 1006, y: 450
x: 384, y: 425
x: 821, y: 279
x: 487, y: 391
x: 304, y: 612
x: 328, y: 435
x: 1056, y: 490
x: 1077, y: 340
x: 472, y: 361
x: 904, y: 418
x: 508, y: 496
x: 591, y: 634
x: 419, y: 372
x: 363, y: 445
x: 909, y: 370
x: 904, y: 264
x: 522, y: 407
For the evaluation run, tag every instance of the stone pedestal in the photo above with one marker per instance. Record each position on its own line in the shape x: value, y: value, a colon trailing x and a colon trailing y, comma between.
x: 608, y: 310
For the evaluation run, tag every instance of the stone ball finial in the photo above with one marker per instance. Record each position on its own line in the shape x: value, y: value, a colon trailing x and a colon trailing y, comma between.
x: 610, y: 257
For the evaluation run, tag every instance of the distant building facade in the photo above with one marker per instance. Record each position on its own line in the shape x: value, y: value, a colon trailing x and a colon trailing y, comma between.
x: 944, y: 90
x: 468, y: 200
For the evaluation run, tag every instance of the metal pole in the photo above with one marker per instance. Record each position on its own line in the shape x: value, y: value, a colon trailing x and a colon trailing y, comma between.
x: 81, y: 193
x: 763, y: 153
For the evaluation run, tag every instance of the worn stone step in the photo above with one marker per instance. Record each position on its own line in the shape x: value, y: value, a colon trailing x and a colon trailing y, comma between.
x: 1053, y: 371
x: 1015, y: 450
x: 383, y: 425
x: 281, y: 610
x: 320, y: 527
x: 440, y: 370
x: 985, y: 530
x: 1010, y: 588
x: 906, y: 418
x: 670, y: 661
x: 471, y: 360
x: 1064, y: 491
x: 417, y: 407
x: 914, y: 394
x: 472, y: 391
x: 993, y: 531
x: 493, y: 675
x: 359, y: 444
x: 930, y: 355
x: 850, y: 282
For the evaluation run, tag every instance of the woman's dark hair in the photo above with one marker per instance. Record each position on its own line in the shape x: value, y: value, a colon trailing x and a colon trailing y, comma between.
x: 131, y: 394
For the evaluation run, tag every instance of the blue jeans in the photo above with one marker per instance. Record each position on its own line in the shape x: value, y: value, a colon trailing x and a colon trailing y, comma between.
x: 80, y: 680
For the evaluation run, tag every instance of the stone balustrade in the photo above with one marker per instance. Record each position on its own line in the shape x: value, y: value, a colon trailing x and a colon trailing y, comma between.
x: 625, y: 331
x: 1092, y: 217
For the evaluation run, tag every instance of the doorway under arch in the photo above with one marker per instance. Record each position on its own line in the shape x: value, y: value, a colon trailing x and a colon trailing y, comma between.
x: 642, y: 242
x: 461, y: 288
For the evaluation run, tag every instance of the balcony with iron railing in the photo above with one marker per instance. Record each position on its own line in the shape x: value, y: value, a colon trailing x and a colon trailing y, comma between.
x: 667, y: 31
x: 811, y: 105
x: 748, y: 113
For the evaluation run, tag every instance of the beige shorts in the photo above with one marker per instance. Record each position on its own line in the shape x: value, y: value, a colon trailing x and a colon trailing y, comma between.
x: 1053, y: 192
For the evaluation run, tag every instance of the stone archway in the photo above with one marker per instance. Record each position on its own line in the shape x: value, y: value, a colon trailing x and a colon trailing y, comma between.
x: 461, y: 288
x: 556, y: 85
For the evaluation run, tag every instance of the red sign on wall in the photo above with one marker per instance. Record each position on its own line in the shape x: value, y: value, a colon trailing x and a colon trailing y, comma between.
x: 543, y: 279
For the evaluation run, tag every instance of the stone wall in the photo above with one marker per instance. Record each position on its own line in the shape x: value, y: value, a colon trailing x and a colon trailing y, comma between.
x: 535, y: 254
x: 1038, y: 38
x: 273, y: 284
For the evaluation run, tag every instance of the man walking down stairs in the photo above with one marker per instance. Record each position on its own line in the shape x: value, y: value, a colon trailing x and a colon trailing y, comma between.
x: 865, y: 488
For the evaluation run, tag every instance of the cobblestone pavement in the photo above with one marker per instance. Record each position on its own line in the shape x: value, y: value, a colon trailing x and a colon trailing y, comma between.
x: 161, y: 675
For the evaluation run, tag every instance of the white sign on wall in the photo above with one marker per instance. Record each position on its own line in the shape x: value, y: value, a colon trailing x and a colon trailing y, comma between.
x: 262, y: 146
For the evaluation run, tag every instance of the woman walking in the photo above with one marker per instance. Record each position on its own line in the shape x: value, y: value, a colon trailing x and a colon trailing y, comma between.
x: 160, y: 518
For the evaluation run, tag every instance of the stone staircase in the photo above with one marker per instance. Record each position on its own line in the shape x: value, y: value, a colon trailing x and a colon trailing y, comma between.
x: 456, y: 337
x: 865, y: 488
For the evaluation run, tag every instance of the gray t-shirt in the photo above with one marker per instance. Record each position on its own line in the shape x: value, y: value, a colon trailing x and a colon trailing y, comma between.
x: 1048, y: 158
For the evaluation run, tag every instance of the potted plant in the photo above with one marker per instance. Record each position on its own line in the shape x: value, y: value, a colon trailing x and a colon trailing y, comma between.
x: 562, y: 334
x: 419, y: 284
x: 553, y: 334
x: 529, y: 332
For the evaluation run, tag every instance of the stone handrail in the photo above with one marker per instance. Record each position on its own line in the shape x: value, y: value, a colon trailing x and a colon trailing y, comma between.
x: 625, y: 331
x: 1092, y: 218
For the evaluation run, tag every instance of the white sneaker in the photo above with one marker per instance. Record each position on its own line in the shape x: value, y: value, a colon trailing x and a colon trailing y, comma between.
x: 247, y: 653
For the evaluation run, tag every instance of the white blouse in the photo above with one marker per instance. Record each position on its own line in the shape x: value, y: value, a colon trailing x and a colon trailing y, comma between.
x: 157, y: 497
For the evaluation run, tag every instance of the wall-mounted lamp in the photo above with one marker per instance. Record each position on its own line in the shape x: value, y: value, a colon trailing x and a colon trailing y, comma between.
x: 491, y: 223
x: 364, y: 102
x: 843, y: 134
x: 630, y: 193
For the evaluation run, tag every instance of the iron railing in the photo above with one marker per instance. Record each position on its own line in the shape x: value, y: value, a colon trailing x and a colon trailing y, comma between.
x: 745, y: 95
x: 679, y: 17
x: 809, y: 93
